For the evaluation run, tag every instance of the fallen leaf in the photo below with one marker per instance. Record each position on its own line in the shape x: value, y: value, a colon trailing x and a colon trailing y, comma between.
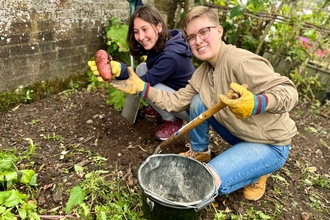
x: 47, y: 186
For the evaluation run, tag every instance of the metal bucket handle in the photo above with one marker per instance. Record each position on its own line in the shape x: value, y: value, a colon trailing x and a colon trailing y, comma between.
x: 198, y: 207
x: 205, y: 202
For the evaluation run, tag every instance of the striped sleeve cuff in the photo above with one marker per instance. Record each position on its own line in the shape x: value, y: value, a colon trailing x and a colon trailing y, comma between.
x: 145, y: 91
x: 260, y: 104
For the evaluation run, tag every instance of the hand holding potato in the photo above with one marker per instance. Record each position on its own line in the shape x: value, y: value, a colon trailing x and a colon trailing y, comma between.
x: 103, y: 67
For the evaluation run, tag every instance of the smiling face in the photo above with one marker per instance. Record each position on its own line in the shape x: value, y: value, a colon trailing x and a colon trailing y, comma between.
x: 205, y: 49
x: 145, y: 33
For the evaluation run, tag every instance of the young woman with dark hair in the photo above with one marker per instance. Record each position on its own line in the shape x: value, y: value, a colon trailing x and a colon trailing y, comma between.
x: 168, y: 66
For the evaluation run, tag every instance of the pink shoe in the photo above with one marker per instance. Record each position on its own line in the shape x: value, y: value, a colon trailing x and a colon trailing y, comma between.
x: 150, y: 112
x: 168, y: 128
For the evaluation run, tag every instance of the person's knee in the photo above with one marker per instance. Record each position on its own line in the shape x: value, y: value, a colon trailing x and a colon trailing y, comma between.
x: 141, y: 69
x: 196, y: 103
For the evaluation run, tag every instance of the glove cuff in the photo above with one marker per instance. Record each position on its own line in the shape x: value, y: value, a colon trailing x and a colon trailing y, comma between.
x: 145, y: 91
x: 260, y: 104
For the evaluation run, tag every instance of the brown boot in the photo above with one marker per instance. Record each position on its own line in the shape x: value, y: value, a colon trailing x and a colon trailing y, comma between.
x: 256, y: 190
x: 204, y: 156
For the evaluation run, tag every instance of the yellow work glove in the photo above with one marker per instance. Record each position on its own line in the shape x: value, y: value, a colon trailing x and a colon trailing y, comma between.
x: 247, y: 104
x: 115, y: 67
x: 132, y: 85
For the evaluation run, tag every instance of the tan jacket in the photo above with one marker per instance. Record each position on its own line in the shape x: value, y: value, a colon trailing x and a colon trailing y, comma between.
x: 273, y: 126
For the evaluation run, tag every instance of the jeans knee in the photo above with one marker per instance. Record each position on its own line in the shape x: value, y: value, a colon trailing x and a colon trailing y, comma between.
x: 196, y: 103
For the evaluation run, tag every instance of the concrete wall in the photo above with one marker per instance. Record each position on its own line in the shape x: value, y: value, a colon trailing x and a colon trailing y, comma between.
x: 47, y: 39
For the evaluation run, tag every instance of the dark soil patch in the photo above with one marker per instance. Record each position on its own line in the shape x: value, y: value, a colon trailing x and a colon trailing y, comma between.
x: 82, y: 120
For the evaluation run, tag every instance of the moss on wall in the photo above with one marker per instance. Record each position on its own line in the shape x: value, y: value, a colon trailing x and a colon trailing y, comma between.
x: 41, y: 90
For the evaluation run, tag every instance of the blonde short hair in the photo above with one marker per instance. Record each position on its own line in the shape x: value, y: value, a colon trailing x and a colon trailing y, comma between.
x: 196, y: 12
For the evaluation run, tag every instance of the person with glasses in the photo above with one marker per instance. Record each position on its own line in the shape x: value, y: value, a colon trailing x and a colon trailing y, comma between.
x: 168, y: 66
x: 257, y: 124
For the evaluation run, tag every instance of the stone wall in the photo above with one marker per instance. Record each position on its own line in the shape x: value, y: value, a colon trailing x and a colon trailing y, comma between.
x: 42, y: 40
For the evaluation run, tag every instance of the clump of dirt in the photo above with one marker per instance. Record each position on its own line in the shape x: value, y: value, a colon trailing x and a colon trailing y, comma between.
x: 83, y: 122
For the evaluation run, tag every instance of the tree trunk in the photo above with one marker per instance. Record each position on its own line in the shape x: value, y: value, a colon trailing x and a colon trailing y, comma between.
x: 262, y: 40
x: 177, y: 16
x: 172, y: 8
x: 188, y: 5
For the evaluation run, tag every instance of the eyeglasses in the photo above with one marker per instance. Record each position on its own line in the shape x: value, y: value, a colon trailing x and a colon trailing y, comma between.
x: 203, y: 34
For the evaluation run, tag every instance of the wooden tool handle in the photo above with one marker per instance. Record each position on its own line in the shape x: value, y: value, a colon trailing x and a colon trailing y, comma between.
x: 198, y: 120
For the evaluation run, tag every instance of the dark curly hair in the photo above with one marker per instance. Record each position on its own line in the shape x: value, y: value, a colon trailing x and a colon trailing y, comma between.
x: 151, y: 15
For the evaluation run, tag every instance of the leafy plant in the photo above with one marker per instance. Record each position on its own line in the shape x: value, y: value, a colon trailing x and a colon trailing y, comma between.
x: 106, y: 197
x: 116, y: 98
x: 307, y: 85
x: 306, y: 44
x: 117, y: 44
x: 241, y: 25
x: 11, y: 199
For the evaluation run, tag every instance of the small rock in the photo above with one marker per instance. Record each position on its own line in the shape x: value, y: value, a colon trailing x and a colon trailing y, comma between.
x: 68, y: 184
x: 47, y: 178
x: 41, y: 200
x: 304, y: 216
x: 130, y: 179
x: 57, y: 197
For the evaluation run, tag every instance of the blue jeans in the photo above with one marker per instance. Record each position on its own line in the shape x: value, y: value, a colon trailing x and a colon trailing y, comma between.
x: 244, y: 162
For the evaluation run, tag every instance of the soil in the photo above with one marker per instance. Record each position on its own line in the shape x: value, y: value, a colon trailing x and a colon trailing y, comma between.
x: 83, y: 119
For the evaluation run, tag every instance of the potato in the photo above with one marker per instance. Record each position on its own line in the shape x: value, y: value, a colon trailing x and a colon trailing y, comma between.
x: 102, y: 59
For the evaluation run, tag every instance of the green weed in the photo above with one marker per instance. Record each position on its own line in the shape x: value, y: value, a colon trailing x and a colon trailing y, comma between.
x: 11, y: 199
x: 54, y: 137
x: 27, y: 97
x: 322, y: 181
x: 103, y: 195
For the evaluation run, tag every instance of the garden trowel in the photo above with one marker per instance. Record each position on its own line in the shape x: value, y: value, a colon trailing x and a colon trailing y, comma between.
x: 131, y: 107
x: 132, y: 102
